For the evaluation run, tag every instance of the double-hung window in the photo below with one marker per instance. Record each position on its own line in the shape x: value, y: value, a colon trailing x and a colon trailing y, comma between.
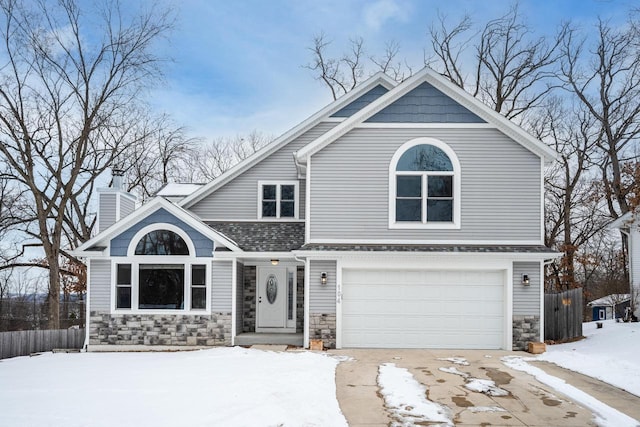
x: 424, y: 181
x: 278, y: 200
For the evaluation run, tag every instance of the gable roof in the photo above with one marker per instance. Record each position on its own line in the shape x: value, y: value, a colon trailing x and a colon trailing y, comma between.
x: 609, y: 300
x: 449, y: 89
x: 95, y: 245
x: 378, y: 79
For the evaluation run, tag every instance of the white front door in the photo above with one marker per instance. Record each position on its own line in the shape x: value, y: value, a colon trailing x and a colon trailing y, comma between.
x: 272, y: 298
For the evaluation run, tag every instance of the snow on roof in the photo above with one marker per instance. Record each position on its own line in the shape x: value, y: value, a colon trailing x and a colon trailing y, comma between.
x: 178, y: 189
x: 611, y: 299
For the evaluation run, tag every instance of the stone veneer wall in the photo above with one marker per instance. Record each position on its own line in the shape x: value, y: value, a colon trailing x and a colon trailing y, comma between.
x: 323, y: 326
x: 300, y: 301
x: 249, y: 292
x: 525, y: 329
x: 160, y: 329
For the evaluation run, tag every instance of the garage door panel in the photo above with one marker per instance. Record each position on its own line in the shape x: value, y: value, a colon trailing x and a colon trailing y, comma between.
x: 422, y: 308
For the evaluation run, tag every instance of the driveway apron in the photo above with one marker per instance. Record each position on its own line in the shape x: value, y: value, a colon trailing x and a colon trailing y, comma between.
x: 526, y: 403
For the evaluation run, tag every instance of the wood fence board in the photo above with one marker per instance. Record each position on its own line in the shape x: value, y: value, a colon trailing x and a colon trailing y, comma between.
x: 563, y: 315
x: 24, y: 343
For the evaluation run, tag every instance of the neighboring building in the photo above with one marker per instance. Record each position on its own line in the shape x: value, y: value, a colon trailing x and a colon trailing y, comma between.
x: 629, y: 224
x: 612, y: 306
x: 399, y: 216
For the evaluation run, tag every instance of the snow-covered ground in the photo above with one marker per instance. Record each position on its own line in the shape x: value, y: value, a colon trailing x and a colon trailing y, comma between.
x: 225, y: 386
x: 610, y: 354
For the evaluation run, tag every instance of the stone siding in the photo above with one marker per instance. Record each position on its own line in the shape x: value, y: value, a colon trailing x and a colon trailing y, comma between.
x: 323, y: 326
x: 249, y: 292
x: 160, y: 329
x: 525, y: 329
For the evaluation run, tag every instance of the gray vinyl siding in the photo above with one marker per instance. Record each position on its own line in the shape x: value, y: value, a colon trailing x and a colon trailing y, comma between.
x: 425, y: 104
x: 526, y: 299
x: 127, y: 205
x: 239, y: 295
x: 106, y: 210
x: 238, y: 199
x: 322, y: 299
x: 500, y: 187
x: 361, y: 102
x: 100, y: 285
x: 120, y: 243
x: 221, y: 286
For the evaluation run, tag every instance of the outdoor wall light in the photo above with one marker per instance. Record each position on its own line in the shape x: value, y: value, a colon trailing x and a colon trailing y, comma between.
x: 323, y: 278
x: 275, y: 261
x: 525, y: 280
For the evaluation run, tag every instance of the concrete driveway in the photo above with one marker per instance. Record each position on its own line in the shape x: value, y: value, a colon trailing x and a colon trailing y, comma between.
x: 527, y: 403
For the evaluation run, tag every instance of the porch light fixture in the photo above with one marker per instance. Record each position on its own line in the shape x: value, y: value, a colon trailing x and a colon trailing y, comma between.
x: 275, y: 261
x: 525, y: 280
x: 323, y: 278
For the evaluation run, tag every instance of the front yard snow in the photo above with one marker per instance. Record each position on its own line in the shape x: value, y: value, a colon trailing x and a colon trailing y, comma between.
x: 225, y: 386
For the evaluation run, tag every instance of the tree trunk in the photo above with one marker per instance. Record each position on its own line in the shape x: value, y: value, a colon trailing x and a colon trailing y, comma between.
x: 53, y: 299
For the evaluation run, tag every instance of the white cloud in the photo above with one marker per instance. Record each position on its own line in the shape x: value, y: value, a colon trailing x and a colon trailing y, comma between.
x: 378, y: 13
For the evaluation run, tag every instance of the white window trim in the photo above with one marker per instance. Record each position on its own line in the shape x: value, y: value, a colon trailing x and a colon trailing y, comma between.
x: 185, y: 260
x: 278, y: 184
x: 455, y: 224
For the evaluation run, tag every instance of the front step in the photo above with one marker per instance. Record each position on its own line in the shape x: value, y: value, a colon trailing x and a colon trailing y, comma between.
x: 248, y: 339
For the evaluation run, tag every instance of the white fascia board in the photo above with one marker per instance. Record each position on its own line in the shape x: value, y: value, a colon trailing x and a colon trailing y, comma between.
x: 622, y: 222
x: 484, y: 112
x: 448, y: 88
x: 290, y: 135
x: 146, y: 210
x: 281, y: 256
x: 514, y: 256
x: 360, y: 116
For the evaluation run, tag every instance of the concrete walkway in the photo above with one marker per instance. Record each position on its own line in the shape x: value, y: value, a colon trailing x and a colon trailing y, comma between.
x: 528, y: 403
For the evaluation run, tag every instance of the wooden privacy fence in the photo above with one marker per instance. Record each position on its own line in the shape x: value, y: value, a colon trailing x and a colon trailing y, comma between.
x: 24, y: 343
x: 563, y: 315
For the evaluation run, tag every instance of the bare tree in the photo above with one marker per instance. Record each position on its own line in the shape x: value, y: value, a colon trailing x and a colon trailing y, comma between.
x: 70, y: 90
x: 605, y: 79
x: 212, y: 159
x: 344, y: 72
x: 511, y: 70
x: 161, y: 156
x: 573, y: 202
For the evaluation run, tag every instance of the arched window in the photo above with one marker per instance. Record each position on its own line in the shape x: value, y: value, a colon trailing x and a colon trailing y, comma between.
x: 424, y: 182
x: 161, y: 242
x: 162, y: 272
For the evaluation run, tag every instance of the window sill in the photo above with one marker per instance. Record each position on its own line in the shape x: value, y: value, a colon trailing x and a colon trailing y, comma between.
x: 123, y: 311
x: 422, y: 226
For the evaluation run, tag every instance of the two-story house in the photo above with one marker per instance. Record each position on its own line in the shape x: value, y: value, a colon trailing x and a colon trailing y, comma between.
x: 402, y: 215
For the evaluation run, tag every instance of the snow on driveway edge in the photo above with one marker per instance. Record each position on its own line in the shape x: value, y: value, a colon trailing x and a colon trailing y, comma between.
x: 605, y: 415
x: 405, y: 398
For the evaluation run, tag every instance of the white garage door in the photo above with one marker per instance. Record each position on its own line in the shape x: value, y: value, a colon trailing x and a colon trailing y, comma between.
x: 422, y: 309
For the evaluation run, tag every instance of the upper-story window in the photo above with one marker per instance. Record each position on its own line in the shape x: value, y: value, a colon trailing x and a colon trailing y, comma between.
x: 278, y: 200
x: 424, y: 183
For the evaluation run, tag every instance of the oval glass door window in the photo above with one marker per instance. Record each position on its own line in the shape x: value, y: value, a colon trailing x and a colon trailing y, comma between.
x: 272, y: 288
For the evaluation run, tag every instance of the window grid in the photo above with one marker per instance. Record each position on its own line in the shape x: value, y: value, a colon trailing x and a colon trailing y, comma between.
x: 278, y: 200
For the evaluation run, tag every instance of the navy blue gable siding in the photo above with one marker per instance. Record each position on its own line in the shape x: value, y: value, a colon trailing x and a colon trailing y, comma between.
x: 120, y: 243
x: 361, y: 102
x: 425, y: 104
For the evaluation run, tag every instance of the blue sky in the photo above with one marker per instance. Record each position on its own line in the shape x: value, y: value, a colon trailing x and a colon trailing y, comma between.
x: 237, y: 65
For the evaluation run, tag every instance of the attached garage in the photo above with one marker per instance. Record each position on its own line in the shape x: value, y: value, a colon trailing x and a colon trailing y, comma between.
x: 387, y: 308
